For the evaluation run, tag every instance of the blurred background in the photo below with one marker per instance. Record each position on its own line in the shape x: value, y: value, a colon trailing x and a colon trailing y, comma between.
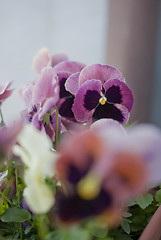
x: 122, y: 33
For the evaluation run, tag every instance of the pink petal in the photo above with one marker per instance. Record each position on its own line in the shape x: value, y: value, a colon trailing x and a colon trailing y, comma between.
x: 71, y: 84
x: 99, y: 72
x: 41, y: 60
x: 57, y: 58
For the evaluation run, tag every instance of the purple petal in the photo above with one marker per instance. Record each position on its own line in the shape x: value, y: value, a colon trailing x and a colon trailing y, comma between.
x: 62, y: 77
x: 46, y: 88
x: 86, y: 100
x: 48, y: 105
x: 115, y: 111
x: 118, y: 92
x: 57, y: 58
x: 27, y: 94
x: 65, y: 108
x: 72, y: 83
x: 100, y: 72
x: 68, y: 66
x: 36, y: 122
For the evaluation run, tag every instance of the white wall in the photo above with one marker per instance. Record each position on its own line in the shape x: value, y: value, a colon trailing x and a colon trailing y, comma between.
x: 76, y: 27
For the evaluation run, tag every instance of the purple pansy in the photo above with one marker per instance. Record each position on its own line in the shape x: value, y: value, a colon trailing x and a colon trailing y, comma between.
x: 102, y: 93
x: 64, y: 71
x: 40, y: 98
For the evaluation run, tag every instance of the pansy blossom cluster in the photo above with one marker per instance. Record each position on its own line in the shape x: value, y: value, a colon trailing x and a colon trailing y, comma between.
x: 70, y: 157
x: 81, y: 93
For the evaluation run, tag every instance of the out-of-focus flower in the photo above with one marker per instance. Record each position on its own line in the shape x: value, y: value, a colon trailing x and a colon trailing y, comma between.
x: 85, y: 194
x: 102, y: 94
x: 136, y: 157
x: 43, y: 59
x: 5, y: 91
x: 8, y: 136
x: 34, y: 150
x: 104, y: 167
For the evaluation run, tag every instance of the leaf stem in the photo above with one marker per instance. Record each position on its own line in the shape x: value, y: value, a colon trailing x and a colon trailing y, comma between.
x: 7, y: 199
x: 18, y: 195
x: 21, y: 233
x: 2, y: 119
x: 57, y: 123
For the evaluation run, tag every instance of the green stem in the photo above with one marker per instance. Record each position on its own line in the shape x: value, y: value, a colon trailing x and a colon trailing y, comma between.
x: 2, y: 119
x: 18, y: 199
x: 57, y: 122
x: 18, y: 195
x: 7, y: 199
x: 21, y: 232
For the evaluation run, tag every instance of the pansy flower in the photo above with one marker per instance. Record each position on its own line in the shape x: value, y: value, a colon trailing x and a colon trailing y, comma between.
x: 102, y: 93
x: 34, y: 150
x: 136, y: 157
x: 101, y: 172
x: 63, y: 71
x: 85, y: 195
x: 41, y: 97
x: 5, y: 91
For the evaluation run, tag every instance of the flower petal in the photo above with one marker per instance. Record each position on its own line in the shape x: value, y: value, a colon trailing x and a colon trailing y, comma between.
x: 100, y: 72
x: 46, y: 88
x: 110, y: 130
x: 68, y: 66
x: 114, y: 111
x: 41, y: 60
x: 62, y: 77
x: 57, y: 58
x: 65, y: 107
x: 72, y: 83
x: 118, y: 92
x: 5, y: 92
x: 145, y: 139
x: 86, y: 100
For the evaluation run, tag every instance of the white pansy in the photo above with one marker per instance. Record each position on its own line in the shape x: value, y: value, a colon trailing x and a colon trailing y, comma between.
x: 34, y: 150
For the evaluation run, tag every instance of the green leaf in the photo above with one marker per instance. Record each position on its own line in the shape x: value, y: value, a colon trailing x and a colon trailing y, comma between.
x: 145, y: 200
x: 15, y: 214
x: 126, y: 227
x: 47, y: 118
x: 75, y: 233
x: 124, y: 237
x: 2, y: 208
x: 158, y: 196
x: 27, y: 229
x: 131, y: 203
x: 127, y: 214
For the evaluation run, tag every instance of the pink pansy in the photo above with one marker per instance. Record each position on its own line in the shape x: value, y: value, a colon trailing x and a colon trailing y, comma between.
x: 43, y: 59
x: 5, y: 91
x: 136, y: 156
x: 102, y: 172
x: 40, y: 98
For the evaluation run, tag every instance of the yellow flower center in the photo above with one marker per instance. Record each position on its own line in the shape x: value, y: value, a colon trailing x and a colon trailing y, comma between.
x: 103, y: 99
x: 88, y: 188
